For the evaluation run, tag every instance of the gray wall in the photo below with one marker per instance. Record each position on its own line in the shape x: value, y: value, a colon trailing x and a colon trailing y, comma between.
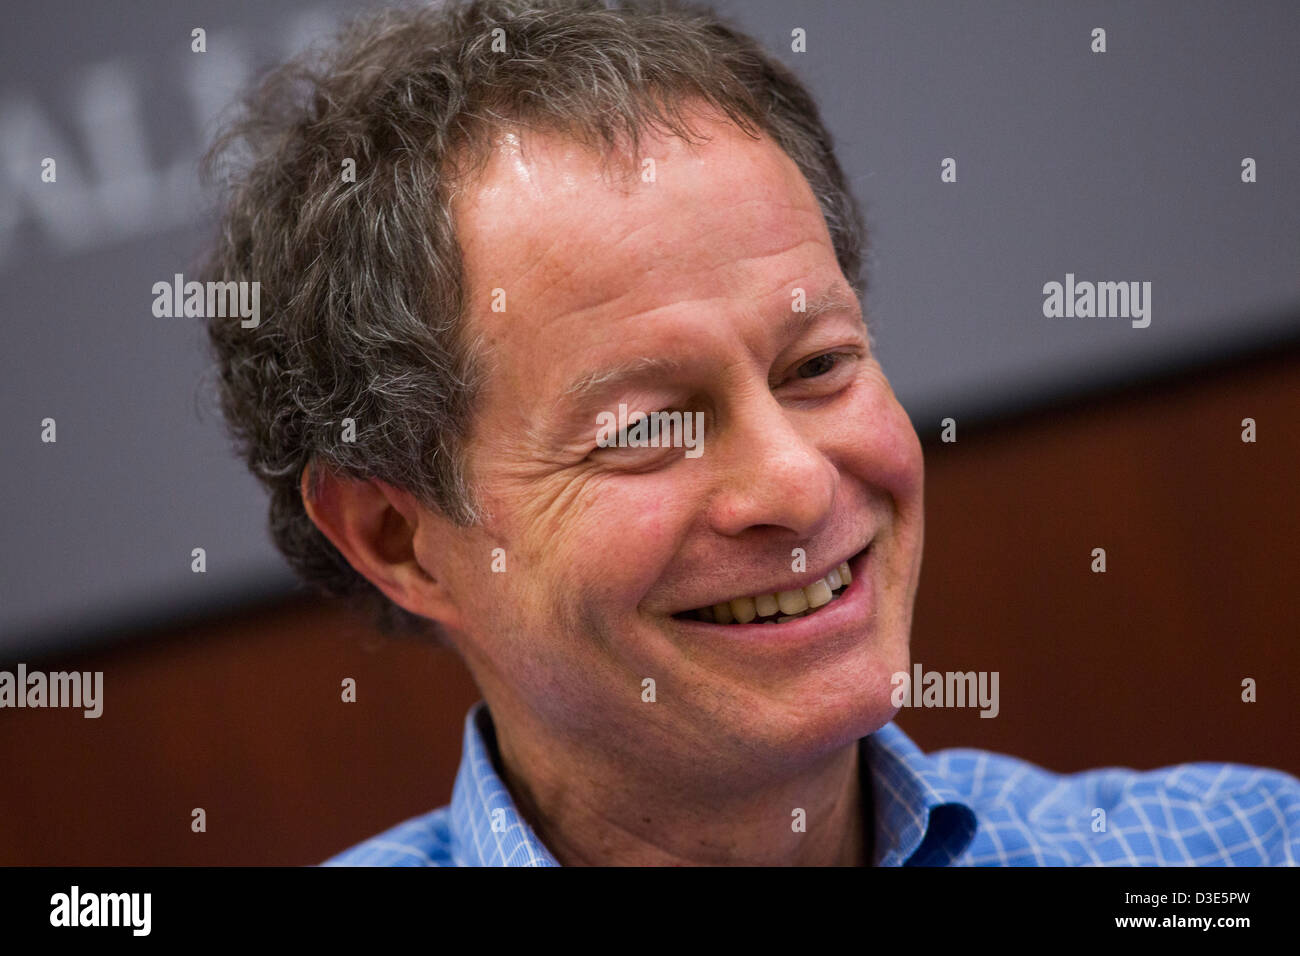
x: 1116, y: 166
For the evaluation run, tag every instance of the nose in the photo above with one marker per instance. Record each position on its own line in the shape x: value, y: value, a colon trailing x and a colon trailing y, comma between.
x: 771, y: 472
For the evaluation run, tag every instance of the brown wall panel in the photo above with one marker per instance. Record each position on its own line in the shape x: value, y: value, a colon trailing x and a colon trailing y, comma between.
x: 245, y: 719
x: 1140, y: 666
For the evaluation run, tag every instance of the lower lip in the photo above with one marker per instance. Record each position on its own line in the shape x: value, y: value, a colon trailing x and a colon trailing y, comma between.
x: 848, y: 612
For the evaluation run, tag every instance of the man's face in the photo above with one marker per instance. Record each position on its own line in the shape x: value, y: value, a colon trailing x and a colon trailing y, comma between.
x: 804, y: 447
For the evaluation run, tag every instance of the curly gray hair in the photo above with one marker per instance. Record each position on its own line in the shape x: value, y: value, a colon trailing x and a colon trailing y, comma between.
x: 361, y: 281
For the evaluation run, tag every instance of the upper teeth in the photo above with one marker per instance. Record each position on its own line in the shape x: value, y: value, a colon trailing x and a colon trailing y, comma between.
x: 745, y: 609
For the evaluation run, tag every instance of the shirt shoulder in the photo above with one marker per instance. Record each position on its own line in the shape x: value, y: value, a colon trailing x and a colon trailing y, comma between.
x: 420, y: 841
x: 1196, y: 814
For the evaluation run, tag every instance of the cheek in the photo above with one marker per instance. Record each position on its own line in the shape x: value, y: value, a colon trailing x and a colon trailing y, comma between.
x: 603, y: 545
x: 880, y: 445
x: 639, y: 529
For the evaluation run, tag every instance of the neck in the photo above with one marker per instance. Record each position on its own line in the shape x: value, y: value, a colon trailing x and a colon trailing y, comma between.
x: 627, y: 814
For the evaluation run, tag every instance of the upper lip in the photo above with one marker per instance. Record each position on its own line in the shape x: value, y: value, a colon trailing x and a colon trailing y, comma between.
x: 789, y: 583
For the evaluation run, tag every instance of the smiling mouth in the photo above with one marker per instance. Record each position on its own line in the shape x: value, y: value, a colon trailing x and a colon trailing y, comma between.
x: 780, y: 606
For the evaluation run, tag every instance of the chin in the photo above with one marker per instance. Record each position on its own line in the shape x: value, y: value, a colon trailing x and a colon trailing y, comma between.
x: 823, y: 721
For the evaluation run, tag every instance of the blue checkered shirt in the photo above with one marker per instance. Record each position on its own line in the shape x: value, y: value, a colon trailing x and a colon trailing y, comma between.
x: 956, y: 807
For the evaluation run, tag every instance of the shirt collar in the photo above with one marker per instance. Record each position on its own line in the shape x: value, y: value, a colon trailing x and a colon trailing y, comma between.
x: 919, y: 820
x: 486, y: 827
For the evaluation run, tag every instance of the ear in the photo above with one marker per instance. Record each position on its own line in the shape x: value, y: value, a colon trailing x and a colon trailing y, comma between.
x: 374, y: 527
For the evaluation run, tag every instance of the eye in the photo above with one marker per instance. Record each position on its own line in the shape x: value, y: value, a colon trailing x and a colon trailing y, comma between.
x: 644, y: 430
x: 647, y: 442
x: 638, y: 429
x: 818, y: 366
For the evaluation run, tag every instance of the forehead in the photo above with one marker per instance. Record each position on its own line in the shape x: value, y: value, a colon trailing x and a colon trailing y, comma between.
x: 571, y: 249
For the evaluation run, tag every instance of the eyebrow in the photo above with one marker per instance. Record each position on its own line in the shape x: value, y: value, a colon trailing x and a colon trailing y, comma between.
x: 832, y: 300
x: 648, y: 367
